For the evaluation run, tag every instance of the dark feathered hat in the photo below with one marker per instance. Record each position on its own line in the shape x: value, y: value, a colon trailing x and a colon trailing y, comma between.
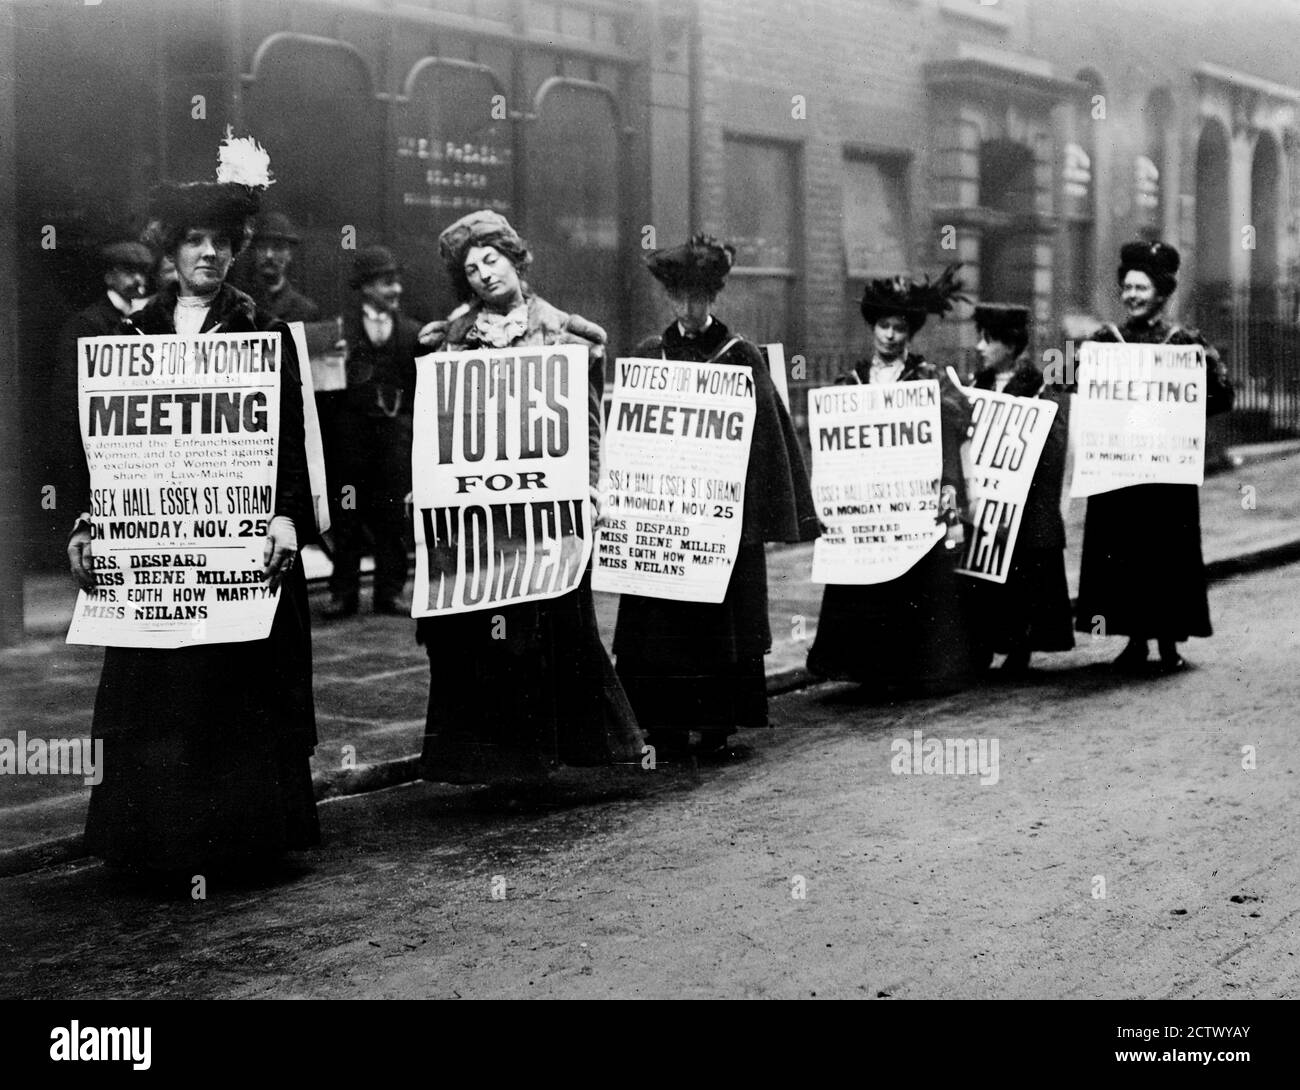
x: 1158, y: 260
x: 243, y: 171
x: 700, y: 264
x: 1005, y: 322
x: 178, y: 206
x: 481, y: 228
x: 911, y: 299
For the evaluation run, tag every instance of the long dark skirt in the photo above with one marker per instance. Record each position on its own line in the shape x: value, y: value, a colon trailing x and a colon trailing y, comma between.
x: 908, y: 635
x: 698, y: 665
x: 517, y: 691
x: 1142, y: 572
x: 1030, y: 611
x: 206, y: 749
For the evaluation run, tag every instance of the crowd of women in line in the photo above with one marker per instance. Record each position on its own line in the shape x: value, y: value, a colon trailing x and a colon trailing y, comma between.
x: 206, y: 748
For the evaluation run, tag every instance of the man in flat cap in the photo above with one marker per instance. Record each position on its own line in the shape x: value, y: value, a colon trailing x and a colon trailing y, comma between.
x: 367, y: 429
x: 271, y: 253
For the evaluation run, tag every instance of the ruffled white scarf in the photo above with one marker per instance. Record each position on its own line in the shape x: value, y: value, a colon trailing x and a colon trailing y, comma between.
x: 500, y: 330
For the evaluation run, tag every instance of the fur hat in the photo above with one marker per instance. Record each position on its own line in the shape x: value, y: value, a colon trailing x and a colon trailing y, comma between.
x: 481, y: 228
x: 1005, y: 322
x: 700, y: 264
x: 911, y: 300
x: 1158, y: 260
x: 372, y: 262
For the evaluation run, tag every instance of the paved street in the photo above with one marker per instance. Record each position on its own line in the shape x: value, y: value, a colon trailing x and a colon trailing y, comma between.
x: 372, y: 680
x: 679, y: 881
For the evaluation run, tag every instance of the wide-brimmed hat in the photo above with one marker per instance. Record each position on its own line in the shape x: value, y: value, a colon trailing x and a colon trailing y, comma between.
x: 1158, y: 260
x: 224, y: 206
x: 699, y: 265
x: 1005, y: 322
x: 372, y: 262
x: 126, y: 255
x: 243, y: 171
x: 274, y: 227
x: 912, y: 300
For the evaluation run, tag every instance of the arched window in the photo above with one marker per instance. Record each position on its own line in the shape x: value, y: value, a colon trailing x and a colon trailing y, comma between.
x: 574, y: 202
x: 1213, y: 231
x: 1006, y: 185
x: 1265, y: 177
x: 311, y: 102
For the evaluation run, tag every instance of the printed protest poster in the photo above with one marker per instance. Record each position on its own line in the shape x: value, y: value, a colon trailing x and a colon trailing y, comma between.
x: 311, y: 432
x: 675, y: 458
x: 1008, y: 441
x: 182, y: 438
x: 775, y: 356
x: 499, y: 467
x: 877, y: 462
x: 1139, y: 416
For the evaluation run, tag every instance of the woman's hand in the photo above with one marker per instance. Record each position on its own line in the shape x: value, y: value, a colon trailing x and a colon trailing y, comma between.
x: 281, y: 552
x: 947, y: 504
x: 597, y: 513
x: 80, y: 559
x: 955, y: 537
x: 587, y: 330
x: 433, y: 334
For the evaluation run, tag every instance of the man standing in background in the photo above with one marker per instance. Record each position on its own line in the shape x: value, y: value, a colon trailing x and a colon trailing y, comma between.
x: 367, y: 430
x: 127, y: 267
x: 272, y: 252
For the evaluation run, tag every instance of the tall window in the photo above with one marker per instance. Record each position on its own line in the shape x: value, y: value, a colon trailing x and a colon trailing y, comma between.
x: 762, y: 196
x: 876, y: 234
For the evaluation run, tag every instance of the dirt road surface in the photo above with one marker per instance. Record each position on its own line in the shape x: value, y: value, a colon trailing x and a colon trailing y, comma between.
x: 685, y: 881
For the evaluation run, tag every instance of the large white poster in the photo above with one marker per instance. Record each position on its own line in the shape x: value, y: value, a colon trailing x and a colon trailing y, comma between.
x: 877, y: 464
x: 675, y: 458
x: 1139, y: 416
x: 1005, y: 449
x: 182, y: 437
x: 311, y: 434
x: 499, y: 471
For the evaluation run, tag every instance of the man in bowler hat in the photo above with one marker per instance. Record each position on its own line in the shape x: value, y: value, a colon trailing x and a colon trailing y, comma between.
x: 367, y: 429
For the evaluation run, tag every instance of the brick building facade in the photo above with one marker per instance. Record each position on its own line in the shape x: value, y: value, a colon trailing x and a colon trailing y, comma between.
x: 832, y: 140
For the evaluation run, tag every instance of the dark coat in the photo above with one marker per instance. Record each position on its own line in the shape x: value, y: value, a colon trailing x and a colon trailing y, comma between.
x: 66, y: 466
x: 379, y: 376
x: 1143, y: 574
x: 288, y: 304
x: 517, y: 690
x: 699, y: 665
x: 778, y: 497
x: 366, y: 433
x: 206, y: 748
x: 1031, y: 611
